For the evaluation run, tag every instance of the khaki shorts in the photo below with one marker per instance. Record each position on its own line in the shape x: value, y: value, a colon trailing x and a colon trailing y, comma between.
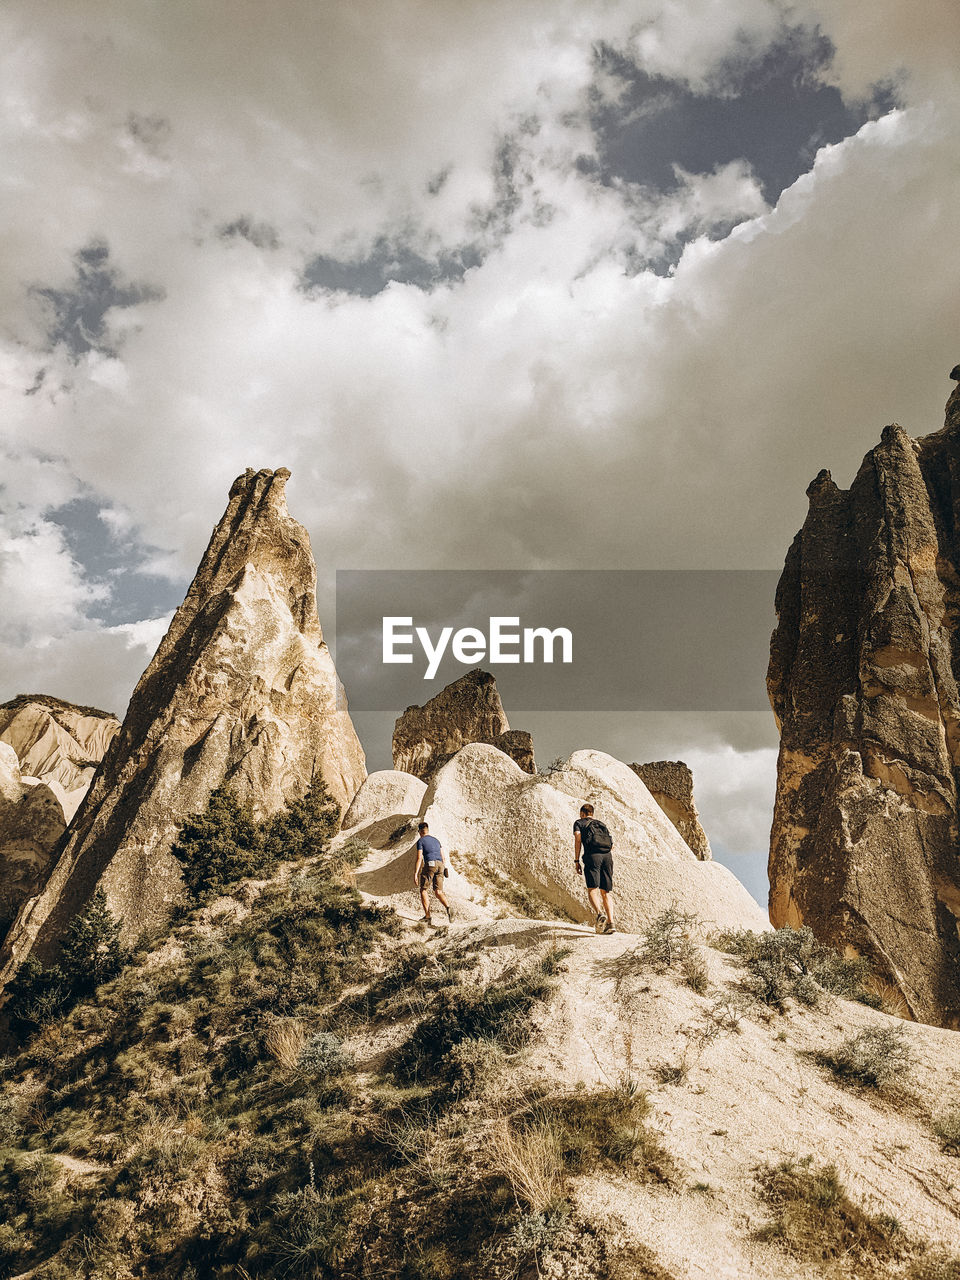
x: 431, y: 879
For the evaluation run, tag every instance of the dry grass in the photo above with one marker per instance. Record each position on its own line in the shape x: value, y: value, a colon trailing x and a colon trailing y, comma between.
x: 531, y: 1159
x: 284, y: 1040
x: 888, y: 998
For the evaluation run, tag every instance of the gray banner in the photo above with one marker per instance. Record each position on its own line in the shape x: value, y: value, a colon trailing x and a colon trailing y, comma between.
x: 639, y: 640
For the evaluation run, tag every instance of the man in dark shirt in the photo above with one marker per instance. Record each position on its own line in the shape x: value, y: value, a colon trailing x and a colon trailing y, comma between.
x: 597, y: 866
x: 430, y: 870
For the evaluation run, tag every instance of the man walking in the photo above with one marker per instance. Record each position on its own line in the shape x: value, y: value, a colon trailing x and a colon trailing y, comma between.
x: 430, y: 870
x: 592, y: 841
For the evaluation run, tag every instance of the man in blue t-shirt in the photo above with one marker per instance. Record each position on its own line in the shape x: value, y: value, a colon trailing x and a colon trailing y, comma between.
x: 430, y: 870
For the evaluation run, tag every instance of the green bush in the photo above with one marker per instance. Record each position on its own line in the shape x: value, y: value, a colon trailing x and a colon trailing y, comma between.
x: 875, y: 1057
x: 225, y: 843
x: 498, y: 1012
x: 814, y: 1220
x: 91, y: 954
x: 790, y: 963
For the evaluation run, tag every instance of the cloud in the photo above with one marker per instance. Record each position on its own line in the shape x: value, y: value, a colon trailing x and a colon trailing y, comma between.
x: 560, y: 399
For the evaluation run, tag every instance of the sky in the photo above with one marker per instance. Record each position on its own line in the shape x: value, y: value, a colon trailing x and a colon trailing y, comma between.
x: 593, y: 284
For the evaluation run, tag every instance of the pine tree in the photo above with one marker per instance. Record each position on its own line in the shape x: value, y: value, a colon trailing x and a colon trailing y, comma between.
x: 219, y: 846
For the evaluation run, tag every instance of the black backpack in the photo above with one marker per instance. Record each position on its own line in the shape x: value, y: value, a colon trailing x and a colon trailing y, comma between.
x: 595, y: 837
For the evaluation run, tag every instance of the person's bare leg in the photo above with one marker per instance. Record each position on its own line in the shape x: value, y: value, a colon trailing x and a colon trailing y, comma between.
x: 608, y: 910
x: 426, y: 903
x: 439, y: 895
x: 594, y: 896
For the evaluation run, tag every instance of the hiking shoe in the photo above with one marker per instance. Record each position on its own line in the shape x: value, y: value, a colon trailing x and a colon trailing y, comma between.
x: 601, y: 925
x: 425, y: 920
x: 451, y: 912
x: 609, y: 927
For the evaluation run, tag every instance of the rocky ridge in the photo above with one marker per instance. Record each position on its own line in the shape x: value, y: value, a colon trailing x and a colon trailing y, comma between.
x: 500, y: 825
x: 467, y: 710
x: 863, y: 682
x: 241, y: 689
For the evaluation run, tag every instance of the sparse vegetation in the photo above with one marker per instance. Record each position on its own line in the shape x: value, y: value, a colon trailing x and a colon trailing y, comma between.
x: 790, y: 963
x: 947, y: 1128
x: 225, y: 843
x: 876, y: 1056
x: 530, y: 906
x: 666, y: 943
x: 814, y: 1219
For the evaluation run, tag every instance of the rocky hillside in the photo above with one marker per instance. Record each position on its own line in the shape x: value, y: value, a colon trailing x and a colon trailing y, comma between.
x: 302, y: 1080
x: 241, y: 689
x: 512, y: 833
x: 863, y: 681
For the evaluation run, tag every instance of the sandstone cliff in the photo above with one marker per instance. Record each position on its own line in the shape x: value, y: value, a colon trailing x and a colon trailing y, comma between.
x: 670, y: 782
x: 31, y: 824
x: 57, y: 743
x: 242, y: 689
x: 468, y: 710
x: 862, y: 680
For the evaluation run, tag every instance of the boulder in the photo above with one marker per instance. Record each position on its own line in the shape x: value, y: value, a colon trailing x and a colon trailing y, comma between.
x: 386, y: 793
x: 57, y: 742
x: 670, y: 782
x: 468, y: 710
x: 241, y: 690
x: 863, y: 683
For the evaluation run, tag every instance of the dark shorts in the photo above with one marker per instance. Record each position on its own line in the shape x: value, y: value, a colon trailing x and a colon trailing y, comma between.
x: 598, y: 871
x: 431, y: 879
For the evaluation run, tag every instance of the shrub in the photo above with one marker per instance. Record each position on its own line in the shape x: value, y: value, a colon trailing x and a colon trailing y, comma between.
x: 225, y: 843
x: 219, y: 846
x: 666, y: 941
x: 785, y: 963
x: 874, y: 1057
x: 91, y: 954
x: 947, y: 1129
x: 814, y: 1219
x: 323, y: 1057
x: 604, y: 1127
x: 497, y: 1012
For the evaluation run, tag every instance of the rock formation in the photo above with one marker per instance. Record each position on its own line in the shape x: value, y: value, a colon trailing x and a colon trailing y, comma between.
x: 862, y: 679
x: 242, y: 689
x: 491, y: 815
x: 57, y: 742
x: 31, y: 823
x: 468, y: 710
x: 670, y: 782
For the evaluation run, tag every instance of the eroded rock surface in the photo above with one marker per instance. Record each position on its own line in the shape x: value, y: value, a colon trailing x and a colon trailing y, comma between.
x: 31, y: 824
x: 58, y: 743
x: 492, y: 817
x: 468, y: 710
x: 862, y: 679
x: 670, y: 782
x: 242, y: 689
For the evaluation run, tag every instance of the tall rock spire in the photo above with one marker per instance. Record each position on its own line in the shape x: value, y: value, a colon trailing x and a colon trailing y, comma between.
x: 862, y: 679
x: 242, y: 689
